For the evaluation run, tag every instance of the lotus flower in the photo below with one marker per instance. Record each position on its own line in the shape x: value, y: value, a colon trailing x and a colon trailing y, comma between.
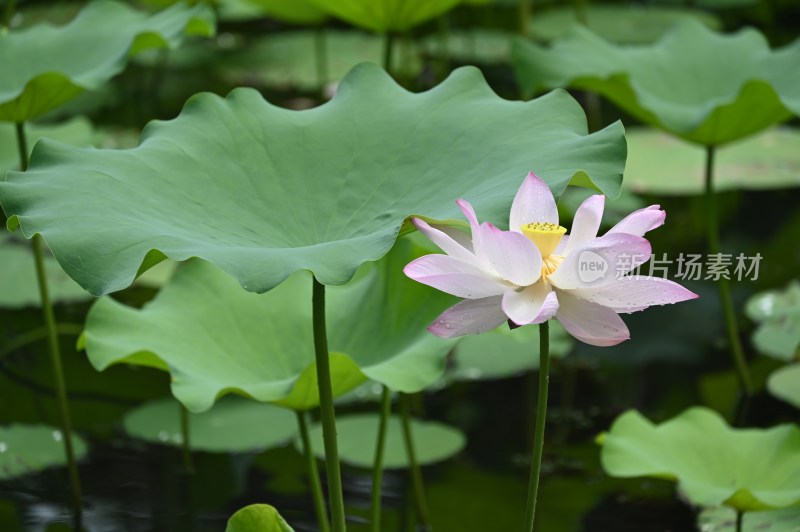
x: 535, y: 272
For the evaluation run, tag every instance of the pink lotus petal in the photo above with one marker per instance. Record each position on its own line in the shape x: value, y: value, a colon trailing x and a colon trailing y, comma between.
x: 601, y: 261
x: 586, y: 222
x: 640, y: 222
x: 477, y: 249
x: 462, y: 238
x: 589, y: 322
x: 533, y: 203
x: 453, y: 276
x: 445, y: 242
x: 511, y: 255
x: 471, y: 316
x: 535, y: 304
x: 631, y: 294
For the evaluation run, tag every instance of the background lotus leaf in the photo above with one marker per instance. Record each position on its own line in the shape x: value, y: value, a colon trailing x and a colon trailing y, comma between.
x: 287, y: 60
x: 470, y: 46
x: 30, y: 448
x: 357, y: 434
x: 77, y: 131
x: 504, y: 353
x: 713, y: 463
x: 274, y: 191
x: 47, y: 66
x: 723, y: 519
x: 621, y: 23
x: 18, y: 284
x: 385, y: 15
x: 234, y: 425
x: 725, y: 101
x: 659, y: 163
x: 291, y: 11
x: 258, y: 518
x: 778, y: 314
x: 215, y: 338
x: 785, y: 384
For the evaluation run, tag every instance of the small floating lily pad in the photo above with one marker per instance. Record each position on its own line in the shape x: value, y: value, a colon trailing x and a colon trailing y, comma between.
x: 504, y: 353
x: 617, y: 23
x: 30, y: 448
x: 713, y: 463
x: 258, y: 518
x: 785, y: 384
x: 434, y: 442
x: 235, y: 425
x: 659, y: 163
x: 47, y: 66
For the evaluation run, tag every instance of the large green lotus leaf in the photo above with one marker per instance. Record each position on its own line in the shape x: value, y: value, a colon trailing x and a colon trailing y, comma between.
x: 504, y: 353
x: 713, y: 463
x: 29, y: 448
x: 293, y: 11
x: 385, y: 15
x: 234, y: 425
x: 723, y: 519
x: 785, y: 384
x: 685, y: 83
x: 659, y: 163
x: 18, y: 284
x: 624, y: 24
x: 215, y: 338
x: 45, y: 66
x: 257, y: 518
x: 262, y: 191
x: 357, y: 434
x: 778, y: 314
x: 287, y: 60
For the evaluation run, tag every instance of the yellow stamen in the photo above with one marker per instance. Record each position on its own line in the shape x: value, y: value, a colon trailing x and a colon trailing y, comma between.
x: 545, y: 235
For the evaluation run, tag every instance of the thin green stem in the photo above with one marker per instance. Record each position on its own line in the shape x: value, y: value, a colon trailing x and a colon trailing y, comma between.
x: 321, y: 59
x: 328, y: 415
x: 377, y: 466
x: 55, y: 350
x: 8, y: 12
x: 541, y: 413
x: 712, y: 228
x: 313, y: 474
x: 524, y: 17
x: 423, y: 515
x: 739, y: 519
x: 186, y: 441
x: 388, y: 51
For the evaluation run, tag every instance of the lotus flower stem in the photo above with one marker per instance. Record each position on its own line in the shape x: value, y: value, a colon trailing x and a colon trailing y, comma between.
x: 321, y: 58
x: 739, y: 518
x: 712, y: 226
x: 423, y: 515
x: 328, y: 415
x: 55, y: 350
x: 541, y: 413
x: 377, y: 467
x: 186, y: 443
x: 313, y: 474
